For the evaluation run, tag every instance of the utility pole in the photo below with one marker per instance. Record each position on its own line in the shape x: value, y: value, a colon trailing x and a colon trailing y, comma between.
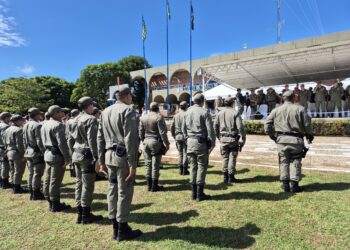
x: 278, y: 21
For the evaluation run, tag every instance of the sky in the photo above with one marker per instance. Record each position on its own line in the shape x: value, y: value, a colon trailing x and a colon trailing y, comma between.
x: 61, y: 37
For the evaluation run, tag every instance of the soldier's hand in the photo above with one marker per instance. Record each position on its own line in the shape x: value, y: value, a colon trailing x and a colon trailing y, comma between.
x: 132, y: 174
x: 274, y: 138
x: 167, y: 148
x: 101, y: 169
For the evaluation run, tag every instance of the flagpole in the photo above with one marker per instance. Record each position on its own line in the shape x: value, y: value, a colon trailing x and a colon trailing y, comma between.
x: 191, y: 52
x: 167, y: 62
x: 144, y: 69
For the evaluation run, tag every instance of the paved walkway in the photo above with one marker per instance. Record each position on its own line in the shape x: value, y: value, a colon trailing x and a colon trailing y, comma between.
x: 329, y: 154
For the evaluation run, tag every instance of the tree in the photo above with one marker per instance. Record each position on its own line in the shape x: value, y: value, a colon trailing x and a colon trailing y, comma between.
x: 17, y: 95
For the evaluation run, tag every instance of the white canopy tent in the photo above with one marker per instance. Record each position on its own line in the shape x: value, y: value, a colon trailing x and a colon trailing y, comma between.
x: 222, y: 90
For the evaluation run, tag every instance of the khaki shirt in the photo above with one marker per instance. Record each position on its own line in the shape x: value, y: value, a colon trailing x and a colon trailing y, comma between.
x: 54, y: 136
x: 290, y: 118
x: 336, y: 93
x: 178, y: 120
x: 71, y: 127
x: 32, y: 139
x: 118, y: 126
x: 229, y: 122
x: 13, y: 140
x: 304, y: 97
x: 152, y: 125
x: 3, y: 127
x: 320, y: 94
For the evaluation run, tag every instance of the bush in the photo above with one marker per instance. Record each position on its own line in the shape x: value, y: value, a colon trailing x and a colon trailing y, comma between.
x: 320, y: 127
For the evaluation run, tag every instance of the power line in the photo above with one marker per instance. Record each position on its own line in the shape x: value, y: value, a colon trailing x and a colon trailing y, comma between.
x: 306, y: 17
x: 298, y: 18
x: 318, y: 16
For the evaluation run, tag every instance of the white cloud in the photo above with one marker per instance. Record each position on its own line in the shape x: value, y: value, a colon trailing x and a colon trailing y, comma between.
x: 8, y: 36
x: 26, y: 70
x: 216, y: 54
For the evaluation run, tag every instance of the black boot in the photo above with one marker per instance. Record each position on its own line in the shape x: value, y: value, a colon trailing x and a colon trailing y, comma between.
x: 295, y: 187
x: 340, y: 115
x: 156, y: 187
x: 5, y: 183
x: 149, y: 184
x: 38, y: 195
x: 285, y: 186
x: 181, y: 169
x: 89, y: 217
x: 126, y: 233
x: 30, y: 190
x: 17, y: 189
x: 80, y: 213
x: 201, y: 196
x: 194, y: 191
x: 115, y: 229
x: 50, y: 205
x: 318, y: 116
x: 58, y: 207
x: 185, y: 170
x: 1, y: 182
x: 225, y: 177
x: 232, y: 179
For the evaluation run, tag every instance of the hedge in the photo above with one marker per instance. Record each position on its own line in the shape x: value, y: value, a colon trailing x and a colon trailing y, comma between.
x: 320, y: 127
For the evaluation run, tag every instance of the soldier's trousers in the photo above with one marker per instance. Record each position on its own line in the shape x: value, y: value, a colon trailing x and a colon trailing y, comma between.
x: 270, y: 106
x: 289, y: 162
x: 5, y: 168
x: 199, y: 165
x: 336, y: 104
x: 17, y: 168
x: 182, y: 149
x: 153, y: 157
x: 37, y: 166
x: 85, y: 183
x: 120, y: 193
x: 54, y: 173
x: 229, y: 154
x: 320, y: 107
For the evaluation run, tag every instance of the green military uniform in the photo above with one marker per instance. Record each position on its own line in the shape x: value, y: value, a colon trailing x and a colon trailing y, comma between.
x: 13, y: 140
x: 153, y: 133
x: 228, y: 129
x: 56, y: 156
x: 34, y: 154
x: 199, y: 131
x: 304, y: 97
x: 181, y: 146
x: 271, y: 99
x: 320, y: 100
x: 118, y: 144
x: 84, y: 157
x: 287, y: 125
x: 336, y: 93
x: 4, y: 163
x: 253, y: 103
x: 347, y: 95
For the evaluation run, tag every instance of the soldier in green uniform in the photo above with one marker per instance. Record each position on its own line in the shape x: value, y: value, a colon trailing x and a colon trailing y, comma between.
x: 34, y: 153
x: 5, y: 119
x: 181, y: 146
x: 336, y: 93
x: 271, y: 99
x: 261, y: 98
x: 13, y: 140
x: 320, y: 100
x: 304, y: 96
x: 70, y: 127
x: 347, y: 96
x: 153, y: 133
x: 56, y: 157
x: 84, y: 159
x: 199, y: 131
x: 229, y: 130
x: 253, y: 103
x: 118, y: 143
x: 287, y: 125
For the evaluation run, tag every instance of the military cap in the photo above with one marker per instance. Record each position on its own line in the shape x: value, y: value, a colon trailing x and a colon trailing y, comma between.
x: 34, y: 111
x: 288, y: 93
x: 198, y: 98
x: 122, y: 91
x: 229, y: 100
x: 85, y: 101
x: 74, y: 112
x: 153, y: 105
x: 16, y: 118
x: 5, y: 115
x: 66, y: 110
x: 183, y: 104
x: 54, y: 108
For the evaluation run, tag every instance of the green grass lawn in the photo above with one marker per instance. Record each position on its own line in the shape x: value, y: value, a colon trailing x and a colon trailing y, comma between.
x: 252, y: 214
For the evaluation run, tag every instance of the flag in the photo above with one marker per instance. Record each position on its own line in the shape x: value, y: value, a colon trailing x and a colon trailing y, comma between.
x: 144, y: 30
x: 168, y: 9
x: 192, y: 17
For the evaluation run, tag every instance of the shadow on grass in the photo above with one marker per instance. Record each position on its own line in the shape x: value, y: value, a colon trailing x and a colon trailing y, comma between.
x: 252, y: 196
x: 103, y: 206
x: 183, y: 185
x: 335, y: 186
x: 260, y: 178
x: 70, y: 194
x: 160, y: 219
x: 212, y: 236
x: 219, y: 172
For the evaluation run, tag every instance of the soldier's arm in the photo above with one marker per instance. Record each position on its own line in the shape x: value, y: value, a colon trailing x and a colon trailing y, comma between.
x: 131, y: 138
x: 240, y: 127
x: 172, y: 128
x: 217, y: 127
x: 62, y: 142
x: 70, y: 139
x: 38, y: 138
x: 163, y: 130
x: 25, y: 144
x: 19, y: 141
x: 307, y: 123
x: 141, y: 131
x: 183, y: 127
x: 269, y: 125
x: 92, y: 129
x: 210, y: 129
x: 101, y: 143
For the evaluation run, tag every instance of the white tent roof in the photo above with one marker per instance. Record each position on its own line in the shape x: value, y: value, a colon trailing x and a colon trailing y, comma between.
x: 222, y: 90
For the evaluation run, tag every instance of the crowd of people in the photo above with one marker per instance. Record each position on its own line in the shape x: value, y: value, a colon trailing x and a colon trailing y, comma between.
x: 108, y: 142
